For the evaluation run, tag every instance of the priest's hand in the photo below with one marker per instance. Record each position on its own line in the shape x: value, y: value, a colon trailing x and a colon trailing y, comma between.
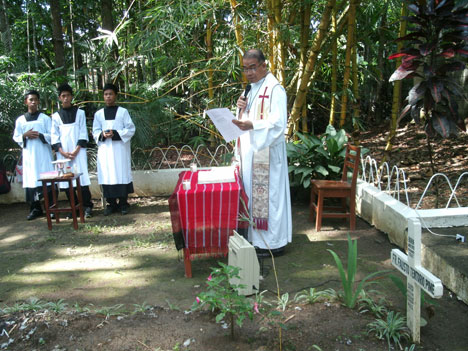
x: 242, y: 102
x: 243, y: 125
x: 31, y: 134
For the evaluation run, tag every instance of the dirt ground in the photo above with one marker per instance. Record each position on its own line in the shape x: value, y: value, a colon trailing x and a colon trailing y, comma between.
x: 122, y: 284
x: 118, y: 284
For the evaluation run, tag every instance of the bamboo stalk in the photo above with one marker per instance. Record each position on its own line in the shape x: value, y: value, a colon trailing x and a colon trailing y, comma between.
x: 310, y: 66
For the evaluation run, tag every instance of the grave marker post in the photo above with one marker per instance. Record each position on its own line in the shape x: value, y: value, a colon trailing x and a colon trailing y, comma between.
x: 417, y: 277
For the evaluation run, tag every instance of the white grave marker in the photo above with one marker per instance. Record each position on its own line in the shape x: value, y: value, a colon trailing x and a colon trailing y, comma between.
x: 417, y: 277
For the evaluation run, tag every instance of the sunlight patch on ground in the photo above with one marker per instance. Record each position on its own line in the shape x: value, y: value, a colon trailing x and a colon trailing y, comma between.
x: 80, y: 264
x: 12, y: 239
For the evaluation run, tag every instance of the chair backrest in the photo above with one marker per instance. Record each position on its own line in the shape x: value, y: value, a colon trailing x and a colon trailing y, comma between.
x: 352, y: 160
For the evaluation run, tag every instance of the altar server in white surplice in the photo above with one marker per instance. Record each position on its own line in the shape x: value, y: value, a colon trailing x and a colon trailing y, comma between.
x: 32, y: 133
x: 113, y: 129
x: 70, y: 140
x: 263, y: 157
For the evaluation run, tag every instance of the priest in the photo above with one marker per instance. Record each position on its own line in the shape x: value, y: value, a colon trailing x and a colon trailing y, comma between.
x: 32, y: 133
x: 262, y: 153
x: 113, y: 130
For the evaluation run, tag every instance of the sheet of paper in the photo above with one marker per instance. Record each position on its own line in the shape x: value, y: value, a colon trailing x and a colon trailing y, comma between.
x: 222, y: 119
x: 217, y: 175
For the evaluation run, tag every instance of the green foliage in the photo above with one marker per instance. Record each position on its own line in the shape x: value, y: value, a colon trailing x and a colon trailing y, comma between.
x: 402, y: 287
x: 283, y: 302
x: 367, y: 304
x: 58, y: 306
x: 80, y: 309
x: 350, y: 293
x: 17, y: 307
x: 143, y: 307
x: 312, y: 296
x: 317, y: 158
x: 109, y: 311
x: 34, y: 304
x: 393, y: 329
x: 223, y: 298
x: 432, y: 50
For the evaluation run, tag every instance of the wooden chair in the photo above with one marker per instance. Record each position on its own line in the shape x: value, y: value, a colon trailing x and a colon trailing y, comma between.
x: 342, y: 189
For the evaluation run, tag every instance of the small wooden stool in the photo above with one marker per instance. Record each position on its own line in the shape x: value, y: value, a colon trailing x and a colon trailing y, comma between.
x: 54, y: 207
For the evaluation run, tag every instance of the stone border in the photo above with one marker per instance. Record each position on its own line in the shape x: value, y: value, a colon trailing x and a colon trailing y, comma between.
x: 391, y: 217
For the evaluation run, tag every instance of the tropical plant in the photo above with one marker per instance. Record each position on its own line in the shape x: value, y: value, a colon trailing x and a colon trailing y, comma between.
x: 437, y: 36
x: 424, y: 300
x: 283, y: 302
x: 34, y: 304
x: 350, y: 293
x: 393, y: 329
x: 141, y: 307
x: 317, y: 158
x: 222, y: 296
x: 367, y: 304
x: 109, y: 311
x: 57, y: 306
x: 312, y: 296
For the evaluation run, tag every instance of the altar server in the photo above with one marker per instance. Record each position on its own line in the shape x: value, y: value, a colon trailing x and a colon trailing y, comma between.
x: 113, y: 129
x: 70, y: 140
x: 263, y: 157
x: 32, y: 133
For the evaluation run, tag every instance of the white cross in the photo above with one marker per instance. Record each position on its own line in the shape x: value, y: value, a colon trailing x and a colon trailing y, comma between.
x: 417, y: 277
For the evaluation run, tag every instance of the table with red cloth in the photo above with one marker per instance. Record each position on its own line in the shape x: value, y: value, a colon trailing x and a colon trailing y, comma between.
x: 204, y: 217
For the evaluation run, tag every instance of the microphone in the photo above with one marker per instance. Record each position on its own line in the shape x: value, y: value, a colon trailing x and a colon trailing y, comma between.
x: 246, y: 92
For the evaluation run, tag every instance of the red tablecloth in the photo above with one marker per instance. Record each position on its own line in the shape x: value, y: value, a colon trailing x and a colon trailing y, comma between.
x: 205, y: 216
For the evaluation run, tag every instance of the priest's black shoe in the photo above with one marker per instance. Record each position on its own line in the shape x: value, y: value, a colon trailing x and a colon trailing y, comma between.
x: 262, y: 253
x: 34, y: 214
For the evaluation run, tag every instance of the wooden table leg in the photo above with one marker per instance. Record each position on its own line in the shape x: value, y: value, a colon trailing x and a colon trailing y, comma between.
x: 80, y: 199
x: 72, y: 203
x: 188, y: 264
x: 46, y: 204
x: 55, y: 201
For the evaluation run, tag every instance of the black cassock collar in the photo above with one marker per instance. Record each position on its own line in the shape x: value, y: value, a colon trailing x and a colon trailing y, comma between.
x: 32, y: 117
x: 68, y: 115
x: 110, y: 112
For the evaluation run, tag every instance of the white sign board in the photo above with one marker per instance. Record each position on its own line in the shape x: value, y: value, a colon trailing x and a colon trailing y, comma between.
x: 425, y: 279
x: 417, y: 277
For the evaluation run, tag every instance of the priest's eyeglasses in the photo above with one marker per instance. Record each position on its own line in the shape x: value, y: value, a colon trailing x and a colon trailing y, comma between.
x: 250, y: 69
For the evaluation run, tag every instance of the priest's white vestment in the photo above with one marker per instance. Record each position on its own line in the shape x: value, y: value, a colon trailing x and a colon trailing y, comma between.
x: 266, y: 109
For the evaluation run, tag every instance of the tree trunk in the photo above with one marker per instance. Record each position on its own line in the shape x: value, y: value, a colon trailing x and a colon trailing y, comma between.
x: 305, y: 33
x: 310, y: 66
x: 72, y: 38
x: 271, y: 36
x: 357, y: 100
x: 108, y: 24
x: 334, y: 69
x: 347, y: 70
x: 396, y: 91
x: 57, y: 36
x: 238, y: 33
x: 106, y: 15
x: 378, y: 105
x: 5, y: 27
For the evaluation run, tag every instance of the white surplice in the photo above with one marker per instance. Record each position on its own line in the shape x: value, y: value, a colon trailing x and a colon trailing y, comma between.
x: 114, y: 156
x: 268, y: 133
x: 37, y: 156
x: 68, y: 135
